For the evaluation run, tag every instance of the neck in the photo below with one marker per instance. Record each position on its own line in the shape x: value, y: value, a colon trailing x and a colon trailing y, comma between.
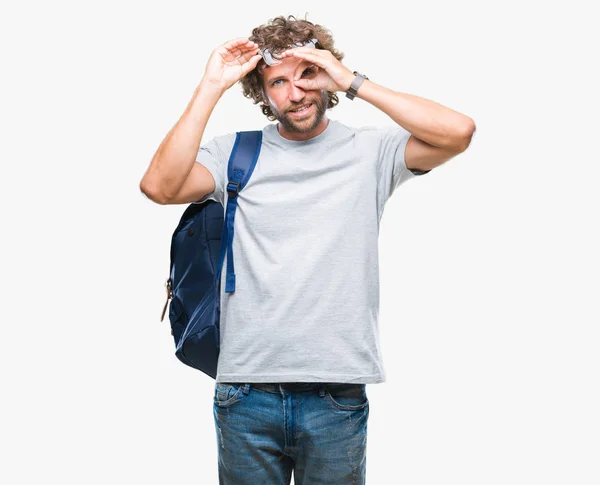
x: 303, y: 135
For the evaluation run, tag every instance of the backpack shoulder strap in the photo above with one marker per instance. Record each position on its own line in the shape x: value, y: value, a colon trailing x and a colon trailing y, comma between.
x: 242, y: 161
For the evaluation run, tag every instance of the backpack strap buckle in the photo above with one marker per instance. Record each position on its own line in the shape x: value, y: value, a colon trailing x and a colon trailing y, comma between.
x: 233, y: 189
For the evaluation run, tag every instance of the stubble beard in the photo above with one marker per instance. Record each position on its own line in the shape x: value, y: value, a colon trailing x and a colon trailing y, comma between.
x: 301, y: 126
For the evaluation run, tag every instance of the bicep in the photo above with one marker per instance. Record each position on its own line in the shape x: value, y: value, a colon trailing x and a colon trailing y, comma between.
x: 423, y: 156
x: 198, y: 184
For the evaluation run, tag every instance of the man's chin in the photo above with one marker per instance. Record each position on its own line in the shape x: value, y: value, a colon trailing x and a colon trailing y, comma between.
x: 301, y: 126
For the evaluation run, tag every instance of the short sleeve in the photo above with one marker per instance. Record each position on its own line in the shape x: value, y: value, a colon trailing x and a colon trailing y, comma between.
x: 391, y: 162
x: 214, y: 156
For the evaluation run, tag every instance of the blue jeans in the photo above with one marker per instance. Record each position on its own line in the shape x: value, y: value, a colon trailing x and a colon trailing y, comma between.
x: 266, y: 431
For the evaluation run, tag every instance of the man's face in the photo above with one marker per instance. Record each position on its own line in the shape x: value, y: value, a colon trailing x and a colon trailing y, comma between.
x: 283, y: 96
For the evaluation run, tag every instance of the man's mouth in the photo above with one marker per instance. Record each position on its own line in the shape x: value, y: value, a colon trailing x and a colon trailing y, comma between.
x: 301, y: 109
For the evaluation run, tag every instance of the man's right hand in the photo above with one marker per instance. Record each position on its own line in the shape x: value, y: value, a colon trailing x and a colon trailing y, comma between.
x: 231, y: 62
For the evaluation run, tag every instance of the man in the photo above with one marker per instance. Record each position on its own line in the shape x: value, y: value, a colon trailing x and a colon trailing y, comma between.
x: 299, y: 336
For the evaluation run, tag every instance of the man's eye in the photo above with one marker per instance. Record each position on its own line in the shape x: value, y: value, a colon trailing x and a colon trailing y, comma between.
x: 308, y: 70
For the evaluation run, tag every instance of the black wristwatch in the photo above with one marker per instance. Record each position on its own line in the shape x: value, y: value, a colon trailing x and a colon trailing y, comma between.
x: 358, y: 80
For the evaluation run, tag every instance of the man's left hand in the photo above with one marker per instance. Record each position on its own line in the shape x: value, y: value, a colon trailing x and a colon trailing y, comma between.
x: 331, y: 74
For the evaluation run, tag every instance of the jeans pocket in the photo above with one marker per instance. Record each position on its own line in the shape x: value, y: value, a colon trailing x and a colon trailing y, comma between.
x: 347, y: 397
x: 227, y: 394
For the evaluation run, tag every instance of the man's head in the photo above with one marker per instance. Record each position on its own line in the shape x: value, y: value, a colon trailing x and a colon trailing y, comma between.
x: 273, y: 85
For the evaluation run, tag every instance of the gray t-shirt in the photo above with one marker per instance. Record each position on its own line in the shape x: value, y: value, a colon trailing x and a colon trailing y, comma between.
x: 305, y: 248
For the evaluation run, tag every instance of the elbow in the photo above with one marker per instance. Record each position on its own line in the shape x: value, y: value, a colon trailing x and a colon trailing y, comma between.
x: 467, y: 133
x: 462, y: 140
x: 153, y: 192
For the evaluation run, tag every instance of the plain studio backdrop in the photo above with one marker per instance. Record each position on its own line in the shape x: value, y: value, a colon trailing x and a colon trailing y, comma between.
x: 489, y: 264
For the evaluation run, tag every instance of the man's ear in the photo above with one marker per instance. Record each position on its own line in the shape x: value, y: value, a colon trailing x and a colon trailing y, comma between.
x: 261, y: 79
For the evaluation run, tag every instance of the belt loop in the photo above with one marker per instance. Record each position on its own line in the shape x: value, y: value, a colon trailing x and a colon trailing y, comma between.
x: 246, y: 389
x: 322, y: 390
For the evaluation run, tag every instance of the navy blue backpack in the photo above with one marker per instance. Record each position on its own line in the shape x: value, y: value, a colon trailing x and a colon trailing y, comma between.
x: 198, y: 248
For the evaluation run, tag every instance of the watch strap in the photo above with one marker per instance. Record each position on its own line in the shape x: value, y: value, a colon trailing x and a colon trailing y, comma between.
x: 356, y: 83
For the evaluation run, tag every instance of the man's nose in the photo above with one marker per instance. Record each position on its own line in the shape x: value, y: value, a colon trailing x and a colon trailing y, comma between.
x: 296, y: 93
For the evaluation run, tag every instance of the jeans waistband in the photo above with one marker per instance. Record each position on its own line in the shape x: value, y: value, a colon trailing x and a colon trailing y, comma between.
x: 288, y: 386
x: 296, y: 386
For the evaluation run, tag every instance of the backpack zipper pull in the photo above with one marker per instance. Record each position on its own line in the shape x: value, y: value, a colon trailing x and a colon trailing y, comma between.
x: 169, y: 296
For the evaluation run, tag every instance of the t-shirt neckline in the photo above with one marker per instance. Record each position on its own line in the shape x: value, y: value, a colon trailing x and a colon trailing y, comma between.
x: 326, y: 133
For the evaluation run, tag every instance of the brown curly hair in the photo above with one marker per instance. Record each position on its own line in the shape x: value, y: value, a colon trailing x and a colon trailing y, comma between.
x: 278, y: 34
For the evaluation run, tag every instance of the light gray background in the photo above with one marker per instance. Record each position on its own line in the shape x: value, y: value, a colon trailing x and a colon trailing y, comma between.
x: 489, y: 265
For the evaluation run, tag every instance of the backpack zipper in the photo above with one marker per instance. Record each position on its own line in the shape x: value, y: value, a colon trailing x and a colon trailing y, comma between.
x: 169, y: 296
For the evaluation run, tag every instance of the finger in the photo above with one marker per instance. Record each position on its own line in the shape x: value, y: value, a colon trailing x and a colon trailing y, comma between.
x: 239, y: 46
x: 240, y: 50
x: 308, y: 55
x: 236, y: 42
x: 251, y: 64
x: 306, y: 84
x: 308, y: 50
x: 247, y: 56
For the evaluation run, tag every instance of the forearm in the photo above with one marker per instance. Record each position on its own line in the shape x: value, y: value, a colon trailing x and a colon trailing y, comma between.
x: 176, y: 155
x: 429, y: 121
